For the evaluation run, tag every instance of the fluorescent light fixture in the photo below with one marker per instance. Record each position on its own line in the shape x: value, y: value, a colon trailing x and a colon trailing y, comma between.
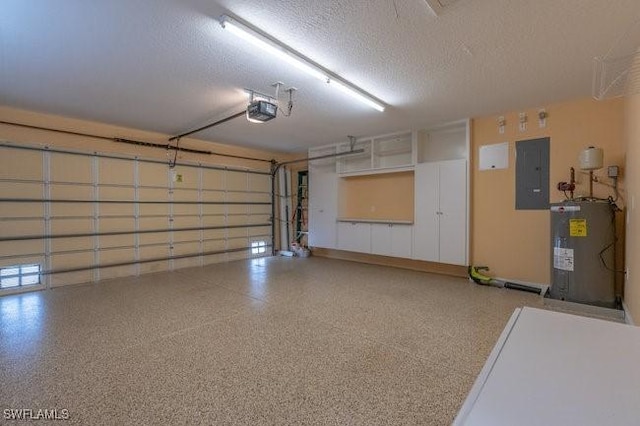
x: 356, y: 94
x: 276, y: 48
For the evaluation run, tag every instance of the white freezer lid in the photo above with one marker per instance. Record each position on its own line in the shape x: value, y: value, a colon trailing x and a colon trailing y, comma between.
x: 550, y: 368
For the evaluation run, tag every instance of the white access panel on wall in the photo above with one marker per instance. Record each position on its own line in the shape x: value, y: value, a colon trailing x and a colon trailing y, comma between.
x: 493, y: 157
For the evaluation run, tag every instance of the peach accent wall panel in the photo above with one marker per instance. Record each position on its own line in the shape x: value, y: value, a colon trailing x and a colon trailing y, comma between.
x: 382, y: 196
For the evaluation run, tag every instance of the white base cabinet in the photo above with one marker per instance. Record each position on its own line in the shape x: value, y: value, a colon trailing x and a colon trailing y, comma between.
x: 384, y: 238
x: 354, y: 236
x: 391, y: 239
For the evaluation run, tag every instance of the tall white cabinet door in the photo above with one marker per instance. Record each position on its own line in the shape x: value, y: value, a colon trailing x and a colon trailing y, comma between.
x: 323, y: 208
x: 425, y: 228
x: 453, y: 212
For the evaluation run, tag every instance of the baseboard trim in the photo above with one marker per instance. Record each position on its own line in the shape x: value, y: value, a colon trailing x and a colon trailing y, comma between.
x: 396, y: 262
x: 627, y: 315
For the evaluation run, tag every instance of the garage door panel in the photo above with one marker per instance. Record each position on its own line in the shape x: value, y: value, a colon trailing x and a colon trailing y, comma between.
x: 117, y: 224
x: 236, y: 181
x: 215, y: 258
x: 186, y: 248
x: 238, y: 220
x: 213, y: 179
x: 21, y: 228
x: 190, y: 178
x: 22, y: 210
x: 237, y: 209
x: 71, y: 260
x: 217, y: 234
x: 237, y: 232
x: 151, y: 267
x: 156, y: 252
x: 257, y: 197
x: 186, y: 222
x: 189, y: 262
x: 214, y: 209
x: 153, y: 194
x: 21, y: 248
x: 153, y: 223
x: 118, y: 272
x: 71, y: 168
x: 109, y: 241
x: 260, y: 231
x: 242, y: 255
x: 154, y: 238
x: 260, y: 183
x: 186, y: 236
x: 20, y: 164
x: 71, y: 226
x: 218, y: 245
x: 151, y: 174
x: 153, y: 209
x: 71, y: 209
x: 185, y: 195
x: 234, y: 243
x: 186, y: 209
x: 117, y: 256
x: 116, y: 172
x: 216, y: 196
x: 213, y: 220
x: 72, y: 244
x: 22, y: 190
x: 70, y: 278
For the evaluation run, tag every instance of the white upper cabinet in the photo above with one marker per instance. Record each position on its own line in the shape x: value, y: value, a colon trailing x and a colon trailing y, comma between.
x: 393, y: 151
x: 381, y: 154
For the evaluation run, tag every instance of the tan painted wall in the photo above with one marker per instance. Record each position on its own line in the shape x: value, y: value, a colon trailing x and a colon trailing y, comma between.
x: 31, y: 136
x: 382, y: 196
x: 515, y: 243
x: 632, y: 136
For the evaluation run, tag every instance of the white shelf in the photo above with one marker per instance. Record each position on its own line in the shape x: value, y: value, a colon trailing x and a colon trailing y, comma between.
x: 379, y: 171
x: 393, y: 151
x: 384, y: 221
x: 447, y: 142
x: 388, y: 153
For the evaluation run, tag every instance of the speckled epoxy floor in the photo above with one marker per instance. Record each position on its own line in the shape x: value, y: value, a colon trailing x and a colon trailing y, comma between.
x: 266, y: 341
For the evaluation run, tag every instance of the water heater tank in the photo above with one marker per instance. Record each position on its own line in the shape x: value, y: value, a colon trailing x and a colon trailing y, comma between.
x: 582, y: 257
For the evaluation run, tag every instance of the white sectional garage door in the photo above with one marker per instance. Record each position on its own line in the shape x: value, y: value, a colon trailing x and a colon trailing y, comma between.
x: 78, y: 217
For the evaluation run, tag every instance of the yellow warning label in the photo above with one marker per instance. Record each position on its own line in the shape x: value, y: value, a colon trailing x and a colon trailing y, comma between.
x: 578, y: 227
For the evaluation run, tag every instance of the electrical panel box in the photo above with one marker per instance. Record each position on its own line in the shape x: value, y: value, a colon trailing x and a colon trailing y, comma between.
x: 532, y: 174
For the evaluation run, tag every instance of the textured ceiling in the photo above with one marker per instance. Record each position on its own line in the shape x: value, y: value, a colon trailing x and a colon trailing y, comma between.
x: 168, y: 66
